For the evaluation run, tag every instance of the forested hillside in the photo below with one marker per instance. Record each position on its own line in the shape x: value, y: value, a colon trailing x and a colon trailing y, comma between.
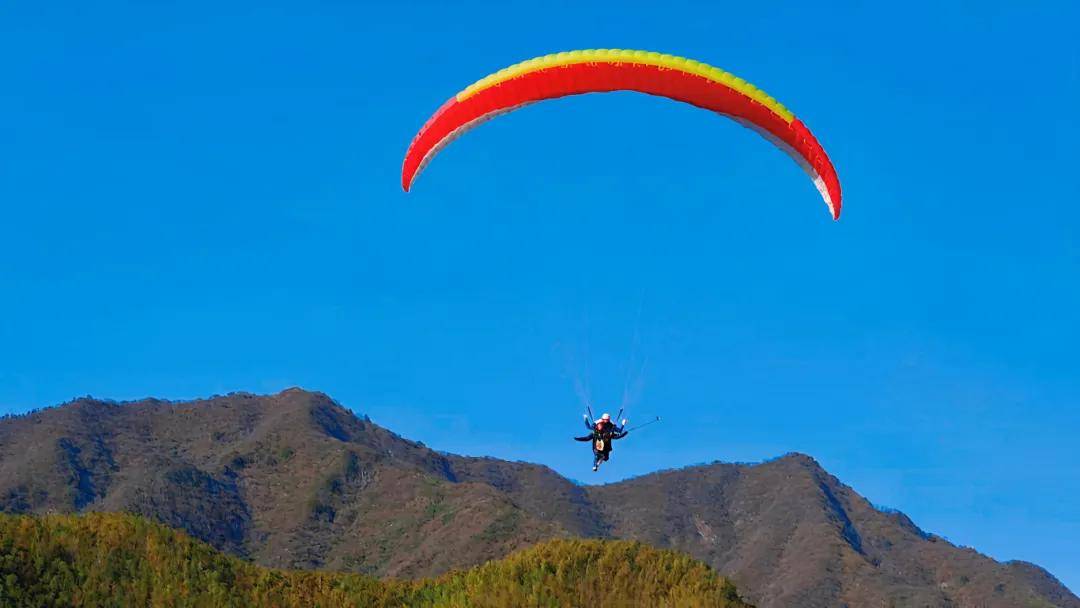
x: 123, y: 560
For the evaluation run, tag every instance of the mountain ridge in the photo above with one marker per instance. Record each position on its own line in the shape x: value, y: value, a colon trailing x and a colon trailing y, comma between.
x: 295, y: 479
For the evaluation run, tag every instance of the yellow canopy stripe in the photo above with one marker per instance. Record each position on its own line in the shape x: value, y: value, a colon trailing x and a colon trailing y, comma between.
x: 660, y: 60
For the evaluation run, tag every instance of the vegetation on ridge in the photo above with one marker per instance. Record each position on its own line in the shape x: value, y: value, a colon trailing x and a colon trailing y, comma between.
x: 102, y: 559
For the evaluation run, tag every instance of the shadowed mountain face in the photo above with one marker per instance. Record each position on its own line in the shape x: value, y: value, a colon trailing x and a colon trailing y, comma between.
x: 295, y: 480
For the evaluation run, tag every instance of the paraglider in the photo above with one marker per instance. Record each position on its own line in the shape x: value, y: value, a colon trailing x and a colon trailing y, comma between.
x: 605, y: 70
x: 603, y: 431
x: 601, y: 435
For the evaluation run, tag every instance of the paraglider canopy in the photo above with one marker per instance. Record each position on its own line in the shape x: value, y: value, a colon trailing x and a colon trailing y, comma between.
x: 602, y: 70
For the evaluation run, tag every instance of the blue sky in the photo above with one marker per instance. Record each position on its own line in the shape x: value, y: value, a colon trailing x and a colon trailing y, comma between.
x: 198, y: 200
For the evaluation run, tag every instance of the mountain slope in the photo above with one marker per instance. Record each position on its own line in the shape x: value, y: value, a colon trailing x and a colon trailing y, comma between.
x: 113, y: 559
x: 295, y: 480
x: 793, y: 535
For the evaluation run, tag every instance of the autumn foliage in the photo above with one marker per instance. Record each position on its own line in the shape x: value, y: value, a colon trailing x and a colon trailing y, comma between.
x: 121, y: 560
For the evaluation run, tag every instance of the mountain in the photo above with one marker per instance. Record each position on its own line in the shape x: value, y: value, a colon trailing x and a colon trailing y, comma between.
x: 123, y: 560
x: 294, y: 480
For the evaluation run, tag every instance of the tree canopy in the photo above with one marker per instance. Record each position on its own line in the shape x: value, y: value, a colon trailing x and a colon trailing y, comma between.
x: 108, y: 559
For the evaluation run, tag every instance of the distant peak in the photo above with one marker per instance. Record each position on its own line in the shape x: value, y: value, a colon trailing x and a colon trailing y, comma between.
x: 299, y: 390
x: 300, y: 397
x: 800, y: 458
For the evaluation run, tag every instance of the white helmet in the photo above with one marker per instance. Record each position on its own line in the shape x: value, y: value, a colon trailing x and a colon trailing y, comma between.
x: 606, y: 417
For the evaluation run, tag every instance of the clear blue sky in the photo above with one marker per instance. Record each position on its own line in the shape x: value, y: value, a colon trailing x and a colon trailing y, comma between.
x: 199, y: 200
